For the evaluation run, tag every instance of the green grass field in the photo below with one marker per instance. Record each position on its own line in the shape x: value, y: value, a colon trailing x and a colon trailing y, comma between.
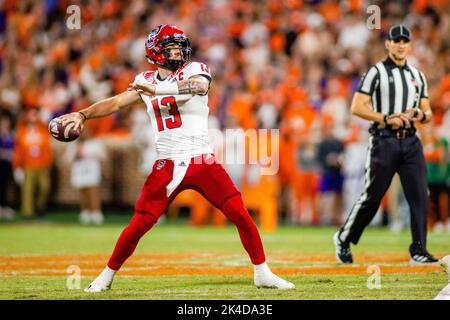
x: 175, y: 261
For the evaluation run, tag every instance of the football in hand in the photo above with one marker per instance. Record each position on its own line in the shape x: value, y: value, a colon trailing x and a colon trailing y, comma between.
x: 64, y: 133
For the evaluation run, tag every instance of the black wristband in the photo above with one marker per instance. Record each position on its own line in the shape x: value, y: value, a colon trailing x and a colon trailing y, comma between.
x: 385, y: 119
x: 83, y: 115
x: 424, y: 117
x: 416, y: 113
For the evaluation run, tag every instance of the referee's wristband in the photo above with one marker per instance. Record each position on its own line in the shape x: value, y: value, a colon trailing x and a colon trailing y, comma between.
x: 385, y: 119
x: 424, y: 117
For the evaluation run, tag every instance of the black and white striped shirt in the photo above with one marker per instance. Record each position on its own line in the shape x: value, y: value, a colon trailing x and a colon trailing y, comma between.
x: 393, y: 88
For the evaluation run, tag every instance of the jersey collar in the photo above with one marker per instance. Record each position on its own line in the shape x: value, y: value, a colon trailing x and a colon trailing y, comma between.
x: 391, y: 64
x: 173, y: 75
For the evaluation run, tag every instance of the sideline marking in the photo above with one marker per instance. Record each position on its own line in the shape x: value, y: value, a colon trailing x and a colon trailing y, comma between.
x: 445, y: 293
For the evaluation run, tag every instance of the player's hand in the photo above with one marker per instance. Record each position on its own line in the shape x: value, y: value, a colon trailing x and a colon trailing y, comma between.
x: 75, y: 117
x: 398, y: 120
x: 414, y: 115
x: 143, y: 88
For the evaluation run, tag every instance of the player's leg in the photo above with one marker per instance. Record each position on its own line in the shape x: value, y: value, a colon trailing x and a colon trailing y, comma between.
x: 95, y: 204
x: 413, y: 175
x: 213, y: 182
x: 150, y: 206
x: 125, y: 246
x: 28, y: 188
x: 43, y: 180
x: 84, y: 216
x: 235, y: 210
x: 381, y: 165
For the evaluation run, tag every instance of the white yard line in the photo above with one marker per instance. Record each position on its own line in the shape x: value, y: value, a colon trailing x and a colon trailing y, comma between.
x: 445, y: 293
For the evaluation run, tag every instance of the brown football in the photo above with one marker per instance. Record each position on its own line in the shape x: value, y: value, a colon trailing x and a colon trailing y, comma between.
x: 64, y: 133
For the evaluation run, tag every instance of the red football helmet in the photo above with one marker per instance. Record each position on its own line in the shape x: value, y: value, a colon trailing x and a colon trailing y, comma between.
x: 157, y: 42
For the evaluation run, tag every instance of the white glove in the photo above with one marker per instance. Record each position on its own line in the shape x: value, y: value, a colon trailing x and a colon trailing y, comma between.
x: 19, y: 176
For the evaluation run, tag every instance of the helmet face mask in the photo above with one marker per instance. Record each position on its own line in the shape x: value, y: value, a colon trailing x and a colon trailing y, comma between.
x: 159, y: 45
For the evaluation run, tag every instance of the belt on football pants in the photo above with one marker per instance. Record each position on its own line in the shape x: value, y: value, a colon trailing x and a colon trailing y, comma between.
x: 398, y: 134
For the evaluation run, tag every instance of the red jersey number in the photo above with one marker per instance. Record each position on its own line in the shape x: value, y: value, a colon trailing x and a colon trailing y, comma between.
x: 174, y: 121
x: 204, y: 68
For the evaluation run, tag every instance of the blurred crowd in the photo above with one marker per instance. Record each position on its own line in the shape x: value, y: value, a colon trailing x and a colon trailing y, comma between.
x: 292, y: 65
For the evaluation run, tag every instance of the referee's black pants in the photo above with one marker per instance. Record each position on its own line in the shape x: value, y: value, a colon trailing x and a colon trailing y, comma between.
x: 387, y: 155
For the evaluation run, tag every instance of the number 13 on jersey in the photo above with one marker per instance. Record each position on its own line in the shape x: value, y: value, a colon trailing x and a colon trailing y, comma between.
x: 174, y: 119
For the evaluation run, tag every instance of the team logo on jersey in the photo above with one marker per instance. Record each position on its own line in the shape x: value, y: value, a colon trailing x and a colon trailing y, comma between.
x: 160, y: 164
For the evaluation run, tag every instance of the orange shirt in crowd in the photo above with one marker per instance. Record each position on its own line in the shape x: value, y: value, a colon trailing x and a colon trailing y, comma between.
x: 33, y: 149
x: 241, y: 108
x: 434, y: 154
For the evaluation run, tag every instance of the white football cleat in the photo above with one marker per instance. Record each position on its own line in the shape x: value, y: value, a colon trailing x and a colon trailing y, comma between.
x: 97, y: 287
x: 102, y: 282
x: 270, y: 280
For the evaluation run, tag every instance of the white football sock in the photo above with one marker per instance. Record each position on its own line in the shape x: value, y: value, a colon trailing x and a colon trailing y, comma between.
x: 106, y: 276
x: 261, y: 269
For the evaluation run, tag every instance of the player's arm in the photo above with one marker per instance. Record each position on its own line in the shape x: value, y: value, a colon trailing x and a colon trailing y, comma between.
x: 195, y: 85
x: 423, y: 113
x: 425, y: 107
x: 361, y: 107
x: 103, y: 108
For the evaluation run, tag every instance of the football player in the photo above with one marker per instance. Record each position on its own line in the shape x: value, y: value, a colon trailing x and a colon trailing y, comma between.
x: 176, y: 97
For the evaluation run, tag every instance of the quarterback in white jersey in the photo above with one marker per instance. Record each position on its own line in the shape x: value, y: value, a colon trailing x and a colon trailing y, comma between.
x: 179, y: 121
x: 176, y: 96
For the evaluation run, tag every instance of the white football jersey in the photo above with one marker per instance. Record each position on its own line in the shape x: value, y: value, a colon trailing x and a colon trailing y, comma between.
x: 179, y: 122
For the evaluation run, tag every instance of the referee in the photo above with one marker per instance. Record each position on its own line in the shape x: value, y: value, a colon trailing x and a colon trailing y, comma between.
x: 394, y: 96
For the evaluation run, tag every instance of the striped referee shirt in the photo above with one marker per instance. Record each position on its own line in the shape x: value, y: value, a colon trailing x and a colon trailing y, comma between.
x: 393, y: 88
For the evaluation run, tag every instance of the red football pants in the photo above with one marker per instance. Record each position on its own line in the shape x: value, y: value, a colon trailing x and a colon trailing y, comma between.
x: 206, y: 177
